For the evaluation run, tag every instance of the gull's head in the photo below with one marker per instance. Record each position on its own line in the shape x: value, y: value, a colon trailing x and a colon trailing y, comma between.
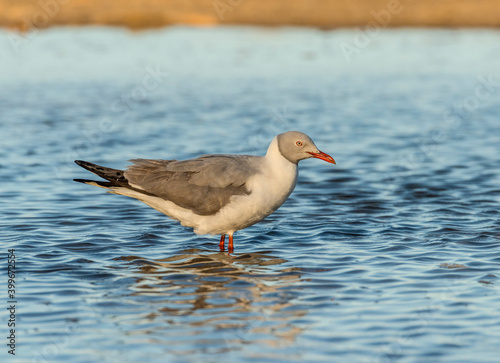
x: 296, y: 146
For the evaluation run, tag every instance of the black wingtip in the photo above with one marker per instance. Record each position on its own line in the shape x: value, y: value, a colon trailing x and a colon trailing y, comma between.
x: 89, y: 166
x: 81, y: 180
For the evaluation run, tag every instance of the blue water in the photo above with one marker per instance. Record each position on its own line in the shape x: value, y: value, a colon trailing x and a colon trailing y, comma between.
x: 392, y: 255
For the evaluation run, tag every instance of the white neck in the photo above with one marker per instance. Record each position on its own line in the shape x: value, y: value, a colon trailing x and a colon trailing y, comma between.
x: 278, y: 165
x: 274, y: 153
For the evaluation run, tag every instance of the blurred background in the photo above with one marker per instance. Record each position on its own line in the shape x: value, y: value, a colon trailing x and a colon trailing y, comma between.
x: 392, y: 255
x: 316, y: 13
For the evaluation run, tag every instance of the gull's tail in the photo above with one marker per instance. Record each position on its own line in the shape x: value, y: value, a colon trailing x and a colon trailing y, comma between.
x: 117, y: 183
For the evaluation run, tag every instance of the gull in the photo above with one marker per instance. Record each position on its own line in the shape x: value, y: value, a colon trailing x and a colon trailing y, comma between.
x: 214, y: 194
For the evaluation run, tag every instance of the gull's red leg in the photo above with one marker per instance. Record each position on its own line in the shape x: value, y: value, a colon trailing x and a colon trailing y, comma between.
x: 221, y: 243
x: 230, y: 247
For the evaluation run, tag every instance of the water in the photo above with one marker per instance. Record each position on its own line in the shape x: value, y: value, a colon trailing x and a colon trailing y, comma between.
x: 392, y: 255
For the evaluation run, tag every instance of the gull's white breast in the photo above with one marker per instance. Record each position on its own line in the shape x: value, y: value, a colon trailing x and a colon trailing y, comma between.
x: 269, y: 189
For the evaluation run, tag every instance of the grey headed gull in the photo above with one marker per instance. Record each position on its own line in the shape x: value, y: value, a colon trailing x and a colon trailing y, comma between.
x: 214, y: 194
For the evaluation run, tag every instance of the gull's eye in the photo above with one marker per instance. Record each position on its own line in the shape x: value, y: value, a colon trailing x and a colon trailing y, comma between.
x: 299, y: 143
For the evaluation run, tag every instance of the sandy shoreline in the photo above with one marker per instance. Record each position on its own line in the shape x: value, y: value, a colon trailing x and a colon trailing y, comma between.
x: 327, y: 14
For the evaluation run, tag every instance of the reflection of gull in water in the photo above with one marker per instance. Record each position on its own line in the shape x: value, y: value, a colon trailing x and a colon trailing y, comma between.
x: 242, y: 299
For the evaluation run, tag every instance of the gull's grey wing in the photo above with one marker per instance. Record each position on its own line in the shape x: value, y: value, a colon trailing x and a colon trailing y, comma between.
x: 204, y: 184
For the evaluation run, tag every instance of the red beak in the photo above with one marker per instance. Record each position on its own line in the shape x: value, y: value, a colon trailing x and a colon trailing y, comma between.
x: 323, y: 156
